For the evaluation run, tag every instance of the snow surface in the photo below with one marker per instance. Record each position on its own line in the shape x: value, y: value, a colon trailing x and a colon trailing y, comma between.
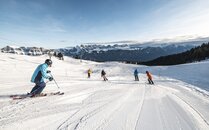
x: 90, y: 104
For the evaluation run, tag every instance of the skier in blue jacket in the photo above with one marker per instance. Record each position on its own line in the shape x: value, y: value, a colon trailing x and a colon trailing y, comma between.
x: 136, y: 75
x: 38, y: 77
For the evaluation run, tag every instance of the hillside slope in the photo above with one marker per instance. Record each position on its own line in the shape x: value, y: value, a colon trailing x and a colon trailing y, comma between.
x: 195, y: 54
x: 120, y: 103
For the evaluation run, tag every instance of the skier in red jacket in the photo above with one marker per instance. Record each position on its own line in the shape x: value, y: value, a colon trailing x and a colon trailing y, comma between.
x: 149, y: 76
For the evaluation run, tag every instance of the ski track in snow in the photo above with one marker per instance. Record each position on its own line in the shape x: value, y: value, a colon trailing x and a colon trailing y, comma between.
x: 83, y: 118
x: 92, y: 104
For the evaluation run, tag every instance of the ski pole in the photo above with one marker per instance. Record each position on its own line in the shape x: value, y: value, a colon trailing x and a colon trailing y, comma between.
x: 55, y: 81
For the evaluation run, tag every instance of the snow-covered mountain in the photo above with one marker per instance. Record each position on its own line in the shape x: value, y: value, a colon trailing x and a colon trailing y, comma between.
x: 24, y: 50
x: 116, y: 51
x: 178, y: 100
x: 131, y: 51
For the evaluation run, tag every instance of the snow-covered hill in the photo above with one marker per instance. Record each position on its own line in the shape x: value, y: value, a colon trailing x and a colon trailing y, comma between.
x: 90, y: 104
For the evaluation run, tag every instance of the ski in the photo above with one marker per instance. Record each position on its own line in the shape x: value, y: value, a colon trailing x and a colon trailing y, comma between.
x: 56, y: 93
x: 16, y: 97
x: 59, y: 93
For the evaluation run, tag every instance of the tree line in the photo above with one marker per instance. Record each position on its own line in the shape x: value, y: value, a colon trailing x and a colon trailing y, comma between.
x: 193, y: 55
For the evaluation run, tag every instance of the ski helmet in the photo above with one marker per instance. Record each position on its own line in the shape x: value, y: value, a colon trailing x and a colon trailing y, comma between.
x: 48, y: 62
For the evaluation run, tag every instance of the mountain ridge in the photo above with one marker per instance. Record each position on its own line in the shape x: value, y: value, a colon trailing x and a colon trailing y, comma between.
x: 130, y: 51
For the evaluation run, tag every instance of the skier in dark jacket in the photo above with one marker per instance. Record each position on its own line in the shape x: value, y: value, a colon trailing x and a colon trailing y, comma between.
x: 136, y: 75
x: 60, y: 56
x: 103, y: 75
x: 38, y: 77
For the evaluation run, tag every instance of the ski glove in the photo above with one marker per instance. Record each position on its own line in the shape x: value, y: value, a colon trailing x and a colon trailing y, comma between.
x: 51, y: 78
x: 48, y: 71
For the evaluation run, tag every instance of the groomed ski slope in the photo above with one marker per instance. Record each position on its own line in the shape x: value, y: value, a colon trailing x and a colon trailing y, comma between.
x: 92, y: 104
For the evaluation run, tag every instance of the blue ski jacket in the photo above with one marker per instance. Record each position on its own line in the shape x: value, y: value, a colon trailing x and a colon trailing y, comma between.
x: 136, y: 72
x: 40, y: 73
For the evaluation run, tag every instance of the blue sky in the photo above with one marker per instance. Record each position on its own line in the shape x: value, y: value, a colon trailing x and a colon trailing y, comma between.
x: 62, y: 23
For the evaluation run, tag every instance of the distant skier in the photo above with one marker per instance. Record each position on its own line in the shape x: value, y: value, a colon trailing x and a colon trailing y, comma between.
x: 136, y: 75
x: 38, y: 77
x: 103, y: 74
x: 60, y: 56
x: 89, y: 73
x: 149, y: 76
